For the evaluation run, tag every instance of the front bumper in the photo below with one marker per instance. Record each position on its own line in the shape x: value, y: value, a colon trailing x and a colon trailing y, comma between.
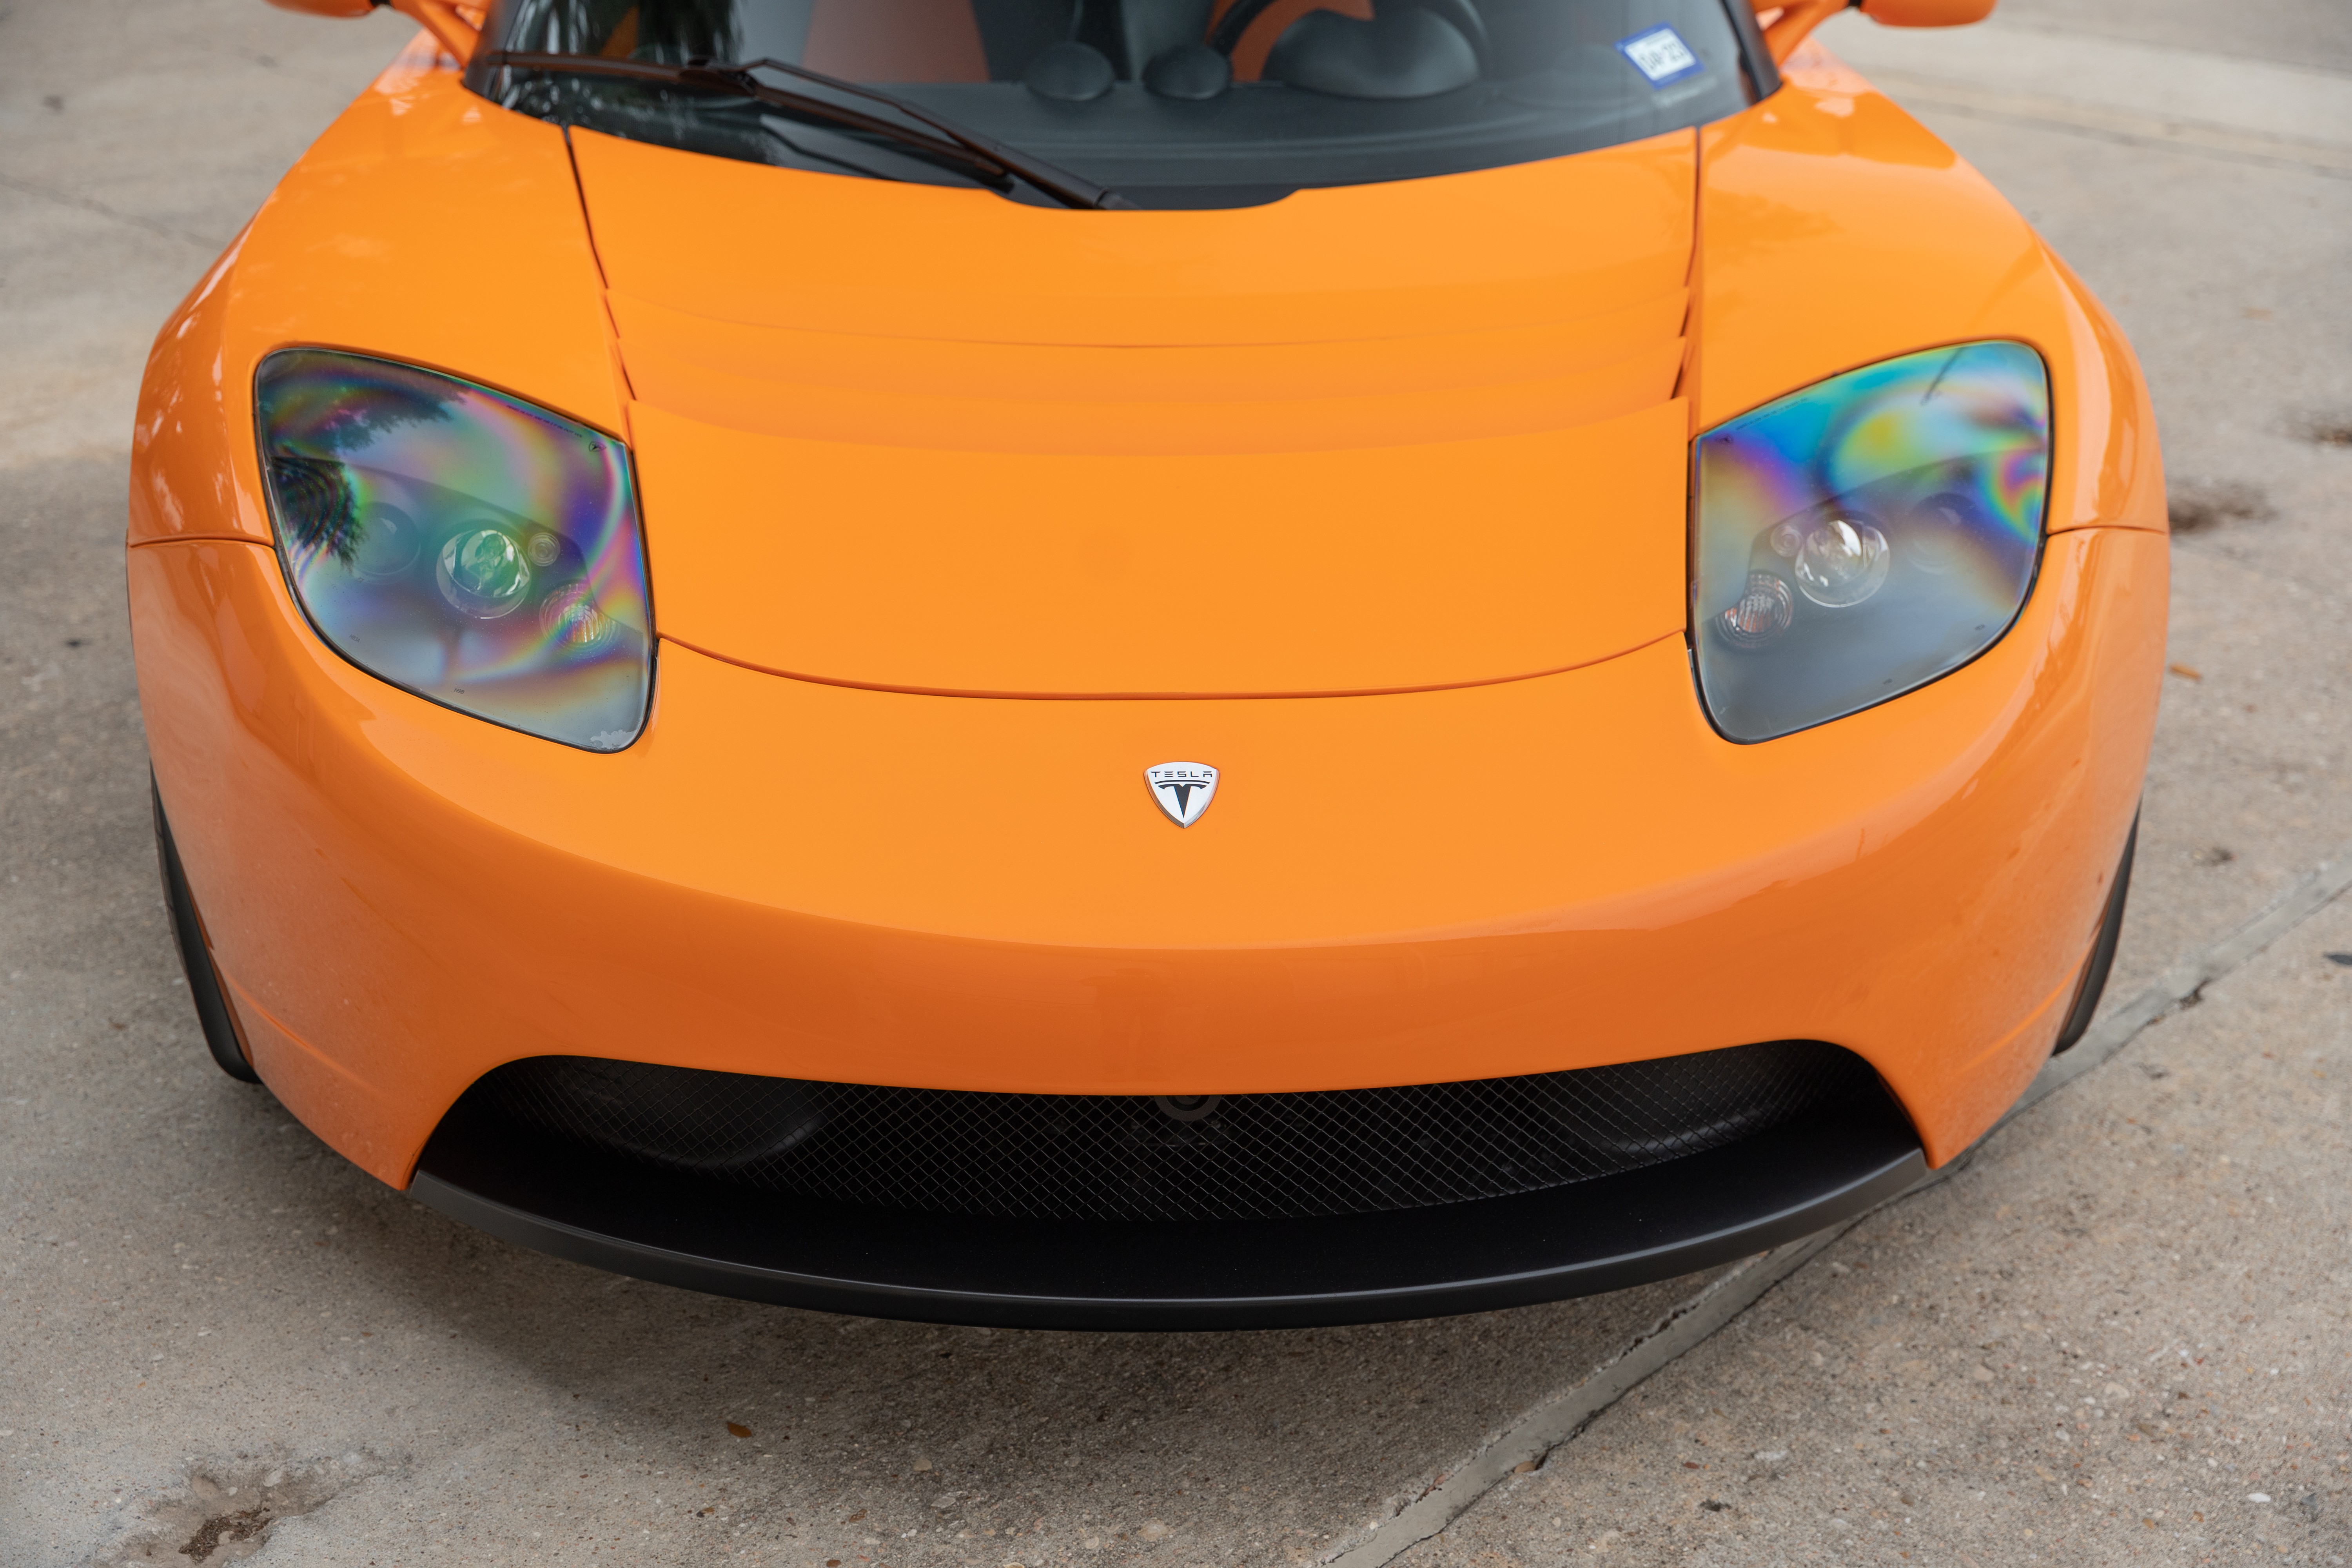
x: 811, y: 881
x: 1651, y: 1223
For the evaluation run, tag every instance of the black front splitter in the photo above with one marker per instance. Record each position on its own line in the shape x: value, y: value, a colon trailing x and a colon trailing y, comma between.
x: 1655, y: 1223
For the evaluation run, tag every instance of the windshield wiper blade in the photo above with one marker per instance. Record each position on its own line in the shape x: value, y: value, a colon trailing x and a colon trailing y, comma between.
x: 941, y: 138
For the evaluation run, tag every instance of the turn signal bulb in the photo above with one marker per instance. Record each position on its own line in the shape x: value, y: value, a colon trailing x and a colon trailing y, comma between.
x: 569, y: 617
x: 1762, y: 614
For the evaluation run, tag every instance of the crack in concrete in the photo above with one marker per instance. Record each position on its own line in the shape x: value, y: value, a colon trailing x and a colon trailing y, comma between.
x: 1529, y: 1442
x: 88, y: 205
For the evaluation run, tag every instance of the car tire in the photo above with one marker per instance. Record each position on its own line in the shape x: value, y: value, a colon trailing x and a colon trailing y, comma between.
x: 195, y: 957
x: 2094, y: 983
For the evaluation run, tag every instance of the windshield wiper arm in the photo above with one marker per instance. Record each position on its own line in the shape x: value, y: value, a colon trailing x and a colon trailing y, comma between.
x: 941, y: 138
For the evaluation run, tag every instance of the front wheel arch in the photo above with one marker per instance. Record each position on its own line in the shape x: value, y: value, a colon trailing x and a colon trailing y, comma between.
x: 195, y: 955
x: 2094, y: 983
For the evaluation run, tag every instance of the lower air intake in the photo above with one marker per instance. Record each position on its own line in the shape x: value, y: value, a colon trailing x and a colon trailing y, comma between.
x: 1115, y: 1157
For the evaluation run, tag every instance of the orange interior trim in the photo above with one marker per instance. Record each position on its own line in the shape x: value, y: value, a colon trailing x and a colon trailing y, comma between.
x: 1249, y: 55
x: 896, y: 40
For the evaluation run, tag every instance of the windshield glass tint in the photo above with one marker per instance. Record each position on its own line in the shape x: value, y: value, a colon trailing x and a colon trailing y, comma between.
x: 1172, y: 103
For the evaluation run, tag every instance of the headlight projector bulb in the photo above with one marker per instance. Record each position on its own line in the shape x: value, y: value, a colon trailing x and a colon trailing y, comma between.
x: 1841, y: 562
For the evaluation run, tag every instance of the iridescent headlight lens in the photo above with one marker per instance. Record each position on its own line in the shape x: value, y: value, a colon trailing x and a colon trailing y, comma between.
x: 1860, y: 537
x: 471, y: 548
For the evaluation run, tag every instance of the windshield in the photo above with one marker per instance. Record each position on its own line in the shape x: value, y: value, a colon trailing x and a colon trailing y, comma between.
x: 1168, y: 102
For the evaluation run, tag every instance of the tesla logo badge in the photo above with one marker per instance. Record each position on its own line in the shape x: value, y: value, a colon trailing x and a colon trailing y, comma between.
x: 1182, y: 789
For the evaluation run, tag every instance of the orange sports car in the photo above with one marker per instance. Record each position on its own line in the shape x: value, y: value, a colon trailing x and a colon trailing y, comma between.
x: 1143, y: 663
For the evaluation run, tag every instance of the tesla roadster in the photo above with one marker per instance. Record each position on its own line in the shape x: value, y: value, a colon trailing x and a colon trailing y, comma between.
x: 1143, y: 663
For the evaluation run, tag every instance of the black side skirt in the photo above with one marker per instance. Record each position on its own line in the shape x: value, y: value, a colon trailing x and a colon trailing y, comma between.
x: 1606, y: 1234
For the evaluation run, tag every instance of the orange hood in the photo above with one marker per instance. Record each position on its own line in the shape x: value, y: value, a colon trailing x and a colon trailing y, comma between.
x: 1378, y: 438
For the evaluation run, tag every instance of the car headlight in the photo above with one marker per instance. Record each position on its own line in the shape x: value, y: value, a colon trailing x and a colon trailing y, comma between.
x: 1861, y: 538
x: 471, y: 548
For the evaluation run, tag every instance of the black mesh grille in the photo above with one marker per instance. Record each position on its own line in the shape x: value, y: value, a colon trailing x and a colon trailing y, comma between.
x: 1112, y: 1157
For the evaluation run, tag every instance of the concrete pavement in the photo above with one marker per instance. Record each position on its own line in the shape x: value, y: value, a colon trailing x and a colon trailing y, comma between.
x: 2062, y: 1354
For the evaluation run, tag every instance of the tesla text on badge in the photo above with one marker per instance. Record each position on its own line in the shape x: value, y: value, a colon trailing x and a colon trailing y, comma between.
x: 1182, y: 789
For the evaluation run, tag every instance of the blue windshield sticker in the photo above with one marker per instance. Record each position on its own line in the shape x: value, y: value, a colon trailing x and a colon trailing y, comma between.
x: 1661, y: 55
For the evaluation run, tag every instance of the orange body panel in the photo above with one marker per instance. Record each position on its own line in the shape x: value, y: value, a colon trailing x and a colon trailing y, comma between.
x: 799, y: 879
x: 1179, y: 457
x: 794, y: 873
x: 1256, y: 574
x: 1502, y: 249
